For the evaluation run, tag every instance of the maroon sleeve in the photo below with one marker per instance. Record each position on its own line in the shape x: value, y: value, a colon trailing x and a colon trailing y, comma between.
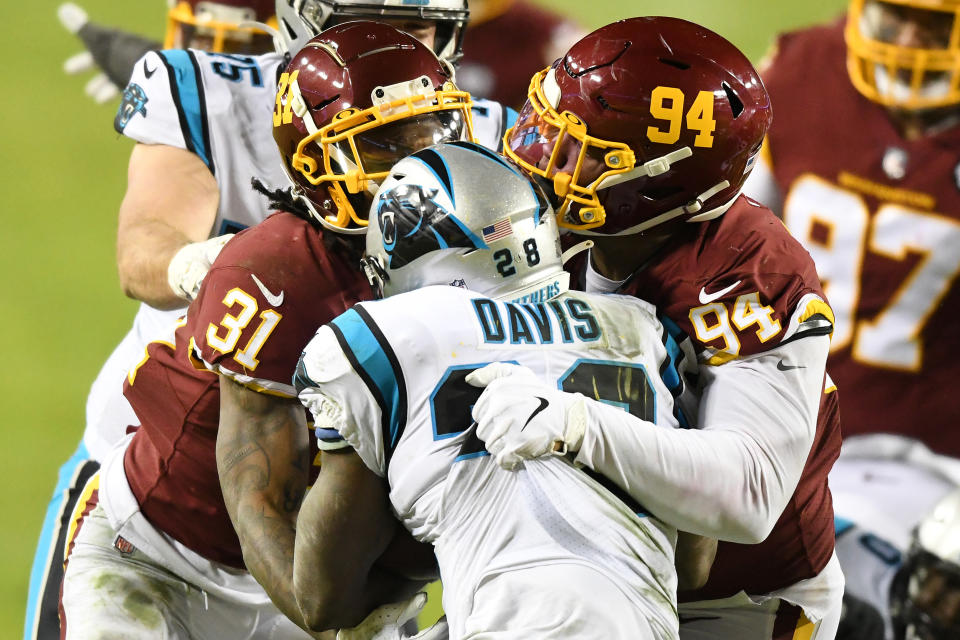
x: 269, y: 290
x: 742, y: 286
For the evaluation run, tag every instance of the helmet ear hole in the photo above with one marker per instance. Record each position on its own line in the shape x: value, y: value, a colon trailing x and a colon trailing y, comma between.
x: 736, y: 104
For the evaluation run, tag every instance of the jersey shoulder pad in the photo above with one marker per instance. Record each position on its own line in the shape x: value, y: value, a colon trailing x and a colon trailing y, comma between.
x: 246, y: 321
x: 754, y: 287
x: 165, y: 103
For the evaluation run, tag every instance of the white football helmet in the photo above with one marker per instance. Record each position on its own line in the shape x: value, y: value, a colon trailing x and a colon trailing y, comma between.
x: 300, y: 20
x: 924, y: 594
x: 458, y: 214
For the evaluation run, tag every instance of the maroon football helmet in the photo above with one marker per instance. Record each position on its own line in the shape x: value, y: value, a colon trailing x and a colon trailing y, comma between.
x: 354, y: 101
x: 215, y: 25
x: 644, y: 121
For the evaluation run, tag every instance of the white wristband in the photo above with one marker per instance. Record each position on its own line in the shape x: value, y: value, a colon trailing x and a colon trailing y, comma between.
x: 190, y: 264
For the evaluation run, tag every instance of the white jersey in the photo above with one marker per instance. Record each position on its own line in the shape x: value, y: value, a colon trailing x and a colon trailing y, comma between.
x: 394, y: 370
x: 218, y: 106
x: 882, y: 486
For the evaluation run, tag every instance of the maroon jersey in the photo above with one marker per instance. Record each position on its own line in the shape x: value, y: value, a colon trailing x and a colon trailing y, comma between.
x: 501, y: 54
x: 880, y: 215
x: 740, y: 285
x: 269, y: 290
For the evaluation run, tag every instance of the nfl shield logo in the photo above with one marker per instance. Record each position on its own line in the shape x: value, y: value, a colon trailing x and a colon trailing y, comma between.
x: 123, y: 546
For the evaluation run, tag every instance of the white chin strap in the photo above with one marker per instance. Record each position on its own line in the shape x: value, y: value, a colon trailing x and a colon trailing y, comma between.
x: 694, y: 206
x: 649, y: 169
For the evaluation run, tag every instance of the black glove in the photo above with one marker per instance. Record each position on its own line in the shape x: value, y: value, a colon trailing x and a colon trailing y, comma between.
x: 110, y: 52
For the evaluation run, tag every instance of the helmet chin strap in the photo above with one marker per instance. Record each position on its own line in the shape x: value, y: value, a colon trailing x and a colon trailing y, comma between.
x: 575, y: 249
x: 650, y: 168
x: 691, y: 207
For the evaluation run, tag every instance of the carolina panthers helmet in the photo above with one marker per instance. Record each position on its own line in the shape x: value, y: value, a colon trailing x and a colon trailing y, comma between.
x: 905, y: 53
x: 219, y: 25
x: 300, y: 20
x: 458, y: 214
x: 350, y: 104
x: 925, y: 595
x: 644, y: 121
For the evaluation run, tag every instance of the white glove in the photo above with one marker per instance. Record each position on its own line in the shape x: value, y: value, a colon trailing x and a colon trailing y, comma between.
x: 191, y: 263
x: 99, y: 88
x: 519, y: 417
x: 386, y: 622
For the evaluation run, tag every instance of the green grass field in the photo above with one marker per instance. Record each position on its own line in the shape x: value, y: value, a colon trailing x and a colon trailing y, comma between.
x: 63, y: 175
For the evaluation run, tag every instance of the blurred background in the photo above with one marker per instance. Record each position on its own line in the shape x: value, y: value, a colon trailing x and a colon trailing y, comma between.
x: 63, y: 175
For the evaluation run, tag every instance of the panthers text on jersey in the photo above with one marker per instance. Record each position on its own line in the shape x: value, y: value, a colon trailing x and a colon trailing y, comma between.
x: 267, y: 292
x: 737, y: 285
x: 393, y: 385
x: 880, y: 215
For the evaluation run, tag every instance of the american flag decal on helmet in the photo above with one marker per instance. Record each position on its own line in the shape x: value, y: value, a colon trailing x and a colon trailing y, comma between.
x: 499, y: 229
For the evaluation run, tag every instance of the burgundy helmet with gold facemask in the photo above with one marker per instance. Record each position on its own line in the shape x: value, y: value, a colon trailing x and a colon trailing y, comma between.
x: 644, y: 121
x: 355, y: 100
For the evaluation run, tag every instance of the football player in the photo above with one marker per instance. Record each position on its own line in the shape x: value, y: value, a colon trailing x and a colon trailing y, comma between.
x: 883, y: 486
x: 926, y: 593
x: 646, y: 130
x: 155, y: 524
x: 189, y: 188
x: 544, y: 552
x: 179, y: 191
x: 871, y: 186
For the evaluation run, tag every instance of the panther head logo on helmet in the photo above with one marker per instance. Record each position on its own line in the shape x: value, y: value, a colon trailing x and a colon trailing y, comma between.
x: 458, y: 214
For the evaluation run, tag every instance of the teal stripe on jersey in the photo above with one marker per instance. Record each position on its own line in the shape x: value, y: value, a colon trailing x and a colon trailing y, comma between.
x: 512, y: 116
x: 375, y: 365
x: 189, y: 99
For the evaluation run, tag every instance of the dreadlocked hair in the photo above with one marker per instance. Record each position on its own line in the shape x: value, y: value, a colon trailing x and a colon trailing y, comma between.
x: 284, y: 200
x: 350, y: 247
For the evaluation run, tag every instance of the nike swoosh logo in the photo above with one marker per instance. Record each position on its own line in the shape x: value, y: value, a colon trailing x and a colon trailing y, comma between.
x: 543, y: 405
x: 710, y: 297
x: 147, y: 71
x: 274, y: 300
x: 787, y: 367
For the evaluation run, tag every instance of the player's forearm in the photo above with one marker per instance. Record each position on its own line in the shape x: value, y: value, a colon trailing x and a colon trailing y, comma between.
x: 267, y: 539
x: 144, y: 252
x: 171, y: 201
x: 262, y: 459
x: 343, y: 529
x: 732, y: 478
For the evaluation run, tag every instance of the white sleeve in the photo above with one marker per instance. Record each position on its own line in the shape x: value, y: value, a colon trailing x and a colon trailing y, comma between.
x: 342, y: 406
x: 165, y: 103
x: 731, y: 478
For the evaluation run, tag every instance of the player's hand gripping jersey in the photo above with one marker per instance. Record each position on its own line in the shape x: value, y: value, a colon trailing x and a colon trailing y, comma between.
x: 743, y: 290
x: 388, y: 377
x: 880, y: 215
